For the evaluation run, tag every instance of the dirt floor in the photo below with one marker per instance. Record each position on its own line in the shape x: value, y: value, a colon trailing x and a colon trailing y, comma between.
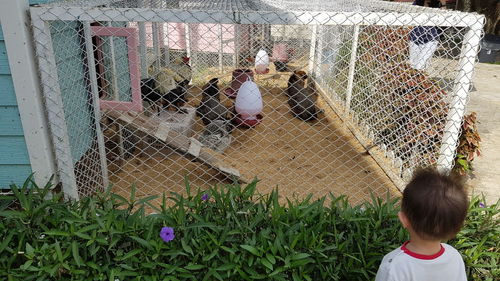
x: 297, y: 157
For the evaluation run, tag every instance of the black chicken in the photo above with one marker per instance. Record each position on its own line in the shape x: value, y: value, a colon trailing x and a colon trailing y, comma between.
x: 210, y: 107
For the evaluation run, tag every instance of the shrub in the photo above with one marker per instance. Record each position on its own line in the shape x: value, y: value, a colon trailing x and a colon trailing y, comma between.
x: 468, y: 144
x: 235, y: 234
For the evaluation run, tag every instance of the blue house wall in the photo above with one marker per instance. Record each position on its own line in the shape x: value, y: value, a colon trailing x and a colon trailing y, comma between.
x: 15, y: 165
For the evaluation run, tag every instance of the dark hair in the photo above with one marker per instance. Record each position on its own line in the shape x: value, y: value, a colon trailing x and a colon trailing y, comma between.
x: 432, y: 4
x: 435, y: 204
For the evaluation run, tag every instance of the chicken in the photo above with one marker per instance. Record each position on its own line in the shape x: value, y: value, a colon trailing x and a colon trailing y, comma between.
x: 182, y: 70
x: 217, y: 135
x: 210, y: 107
x: 302, y: 99
x: 170, y: 84
x: 150, y: 93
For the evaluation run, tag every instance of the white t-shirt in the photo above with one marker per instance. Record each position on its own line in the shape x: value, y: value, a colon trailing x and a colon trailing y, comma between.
x: 405, y: 265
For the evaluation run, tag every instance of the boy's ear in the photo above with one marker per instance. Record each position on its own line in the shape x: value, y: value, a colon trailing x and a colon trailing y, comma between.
x: 403, y: 219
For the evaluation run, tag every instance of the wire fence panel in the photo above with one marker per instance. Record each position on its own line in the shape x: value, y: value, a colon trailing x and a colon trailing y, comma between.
x: 346, y: 97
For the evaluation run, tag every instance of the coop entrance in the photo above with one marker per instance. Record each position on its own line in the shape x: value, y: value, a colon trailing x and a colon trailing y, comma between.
x: 306, y: 99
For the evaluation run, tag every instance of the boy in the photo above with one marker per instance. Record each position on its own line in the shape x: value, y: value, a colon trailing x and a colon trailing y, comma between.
x: 433, y: 208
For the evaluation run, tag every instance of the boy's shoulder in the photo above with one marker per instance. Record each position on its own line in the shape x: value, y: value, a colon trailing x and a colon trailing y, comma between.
x: 394, y: 256
x: 403, y: 255
x: 402, y: 264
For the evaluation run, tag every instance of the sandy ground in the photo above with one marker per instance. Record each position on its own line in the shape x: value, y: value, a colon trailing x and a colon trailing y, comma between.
x: 485, y: 101
x: 301, y: 158
x: 297, y: 157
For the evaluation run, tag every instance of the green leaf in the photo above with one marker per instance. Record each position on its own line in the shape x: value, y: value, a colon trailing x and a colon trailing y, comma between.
x: 30, y: 251
x: 76, y: 254
x: 83, y: 235
x: 251, y: 249
x: 57, y: 233
x: 299, y: 256
x: 194, y: 267
x: 130, y: 254
x: 186, y: 247
x: 266, y: 263
x: 142, y: 242
x: 59, y: 252
x: 211, y: 256
x: 270, y: 258
x: 6, y: 241
x: 225, y: 267
x: 92, y: 265
x: 229, y: 250
x: 26, y: 265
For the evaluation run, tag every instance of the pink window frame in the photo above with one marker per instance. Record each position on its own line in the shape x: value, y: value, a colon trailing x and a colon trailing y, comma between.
x: 133, y: 65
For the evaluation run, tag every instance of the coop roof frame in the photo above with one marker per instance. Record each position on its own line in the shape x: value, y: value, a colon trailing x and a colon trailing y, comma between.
x: 52, y: 13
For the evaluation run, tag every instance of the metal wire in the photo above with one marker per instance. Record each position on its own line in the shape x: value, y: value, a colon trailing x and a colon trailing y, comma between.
x: 127, y: 92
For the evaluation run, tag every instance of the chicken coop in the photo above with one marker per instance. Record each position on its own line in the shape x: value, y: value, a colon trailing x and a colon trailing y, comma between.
x: 316, y: 96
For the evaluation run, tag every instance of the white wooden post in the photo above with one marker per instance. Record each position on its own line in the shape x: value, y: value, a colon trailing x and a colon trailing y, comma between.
x: 319, y: 53
x: 352, y: 65
x: 142, y: 50
x: 95, y: 101
x: 470, y: 47
x: 312, y: 50
x: 54, y: 105
x: 156, y: 44
x: 142, y: 46
x: 165, y: 41
x: 15, y: 25
x: 188, y: 42
x: 236, y: 47
x: 221, y: 47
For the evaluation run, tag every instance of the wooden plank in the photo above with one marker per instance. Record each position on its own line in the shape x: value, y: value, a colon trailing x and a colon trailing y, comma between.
x: 159, y: 130
x: 13, y: 174
x: 10, y: 121
x: 13, y: 150
x: 54, y: 106
x: 7, y: 90
x: 4, y: 62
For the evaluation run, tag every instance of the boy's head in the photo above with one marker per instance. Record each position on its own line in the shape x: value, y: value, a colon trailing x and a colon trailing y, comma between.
x: 434, y: 204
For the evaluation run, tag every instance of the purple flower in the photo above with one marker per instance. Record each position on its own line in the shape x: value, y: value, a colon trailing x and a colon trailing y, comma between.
x: 205, y: 197
x: 481, y: 205
x: 167, y: 233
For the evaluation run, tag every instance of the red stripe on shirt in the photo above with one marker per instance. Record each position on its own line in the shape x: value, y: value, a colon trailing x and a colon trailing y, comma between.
x: 420, y: 256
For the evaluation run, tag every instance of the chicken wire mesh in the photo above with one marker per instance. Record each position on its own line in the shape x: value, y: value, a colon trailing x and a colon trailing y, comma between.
x: 345, y: 97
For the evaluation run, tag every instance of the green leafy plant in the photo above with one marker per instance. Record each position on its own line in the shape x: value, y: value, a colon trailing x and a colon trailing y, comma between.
x: 223, y: 233
x: 468, y: 144
x: 479, y: 240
